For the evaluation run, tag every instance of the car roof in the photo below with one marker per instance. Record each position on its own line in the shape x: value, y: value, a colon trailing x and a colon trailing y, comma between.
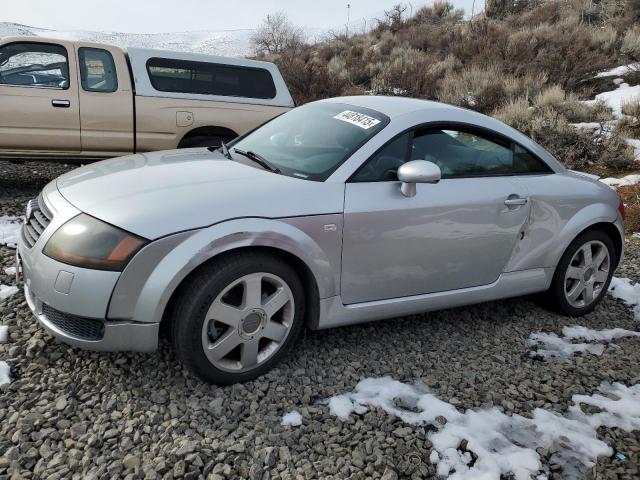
x: 422, y: 111
x: 394, y: 106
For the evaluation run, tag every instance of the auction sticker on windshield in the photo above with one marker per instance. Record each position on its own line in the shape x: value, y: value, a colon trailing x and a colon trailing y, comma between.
x: 359, y: 119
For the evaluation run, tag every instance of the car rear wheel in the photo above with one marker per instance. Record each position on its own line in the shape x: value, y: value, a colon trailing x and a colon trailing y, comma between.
x: 238, y: 317
x: 583, y: 275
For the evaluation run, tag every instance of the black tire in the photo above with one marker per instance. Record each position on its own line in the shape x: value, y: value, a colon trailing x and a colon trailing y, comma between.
x: 555, y: 298
x: 195, y: 298
x: 203, y: 141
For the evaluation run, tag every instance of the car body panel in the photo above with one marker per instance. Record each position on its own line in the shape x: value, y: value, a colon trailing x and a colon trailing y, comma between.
x: 90, y: 290
x: 335, y: 313
x: 562, y: 206
x: 455, y: 234
x: 155, y: 272
x: 189, y: 189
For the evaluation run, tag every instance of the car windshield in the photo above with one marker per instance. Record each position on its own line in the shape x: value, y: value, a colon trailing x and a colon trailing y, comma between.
x: 311, y: 141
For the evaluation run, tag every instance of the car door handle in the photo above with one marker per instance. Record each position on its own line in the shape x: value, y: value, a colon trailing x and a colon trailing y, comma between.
x: 510, y: 202
x: 61, y: 103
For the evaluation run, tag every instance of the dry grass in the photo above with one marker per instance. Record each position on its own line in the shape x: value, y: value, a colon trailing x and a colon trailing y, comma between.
x: 631, y: 197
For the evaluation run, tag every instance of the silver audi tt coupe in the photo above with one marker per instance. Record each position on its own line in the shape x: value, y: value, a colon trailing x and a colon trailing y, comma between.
x: 337, y: 212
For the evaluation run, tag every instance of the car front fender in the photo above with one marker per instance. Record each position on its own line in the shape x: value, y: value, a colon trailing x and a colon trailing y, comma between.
x: 149, y: 280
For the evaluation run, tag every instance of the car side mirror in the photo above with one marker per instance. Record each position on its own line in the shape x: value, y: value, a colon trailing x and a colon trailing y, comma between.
x: 417, y: 171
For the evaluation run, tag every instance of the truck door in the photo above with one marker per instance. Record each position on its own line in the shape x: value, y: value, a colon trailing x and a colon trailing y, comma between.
x: 39, y: 111
x: 106, y: 101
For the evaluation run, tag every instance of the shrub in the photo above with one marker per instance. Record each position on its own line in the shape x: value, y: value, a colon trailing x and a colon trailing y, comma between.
x: 570, y: 107
x: 631, y: 44
x: 517, y: 113
x: 629, y: 125
x: 407, y: 72
x: 479, y: 88
x: 604, y: 38
x: 632, y: 107
x: 546, y: 122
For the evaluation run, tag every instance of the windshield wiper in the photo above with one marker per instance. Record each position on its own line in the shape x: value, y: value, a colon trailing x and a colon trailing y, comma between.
x: 223, y: 148
x: 260, y: 160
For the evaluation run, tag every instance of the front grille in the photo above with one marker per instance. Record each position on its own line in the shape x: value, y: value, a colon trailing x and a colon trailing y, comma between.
x: 37, y: 219
x: 80, y: 327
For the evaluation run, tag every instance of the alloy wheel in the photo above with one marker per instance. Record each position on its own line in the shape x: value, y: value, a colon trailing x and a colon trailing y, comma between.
x: 248, y: 322
x: 587, y: 274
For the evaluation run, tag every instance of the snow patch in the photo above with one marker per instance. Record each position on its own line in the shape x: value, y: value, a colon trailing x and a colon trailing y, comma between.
x: 615, y: 98
x: 4, y: 373
x: 628, y: 292
x: 292, y: 418
x: 10, y: 270
x: 9, y: 230
x: 549, y: 346
x: 7, y: 290
x: 588, y: 335
x: 501, y: 444
x: 622, y: 182
x: 4, y: 333
x: 618, y: 71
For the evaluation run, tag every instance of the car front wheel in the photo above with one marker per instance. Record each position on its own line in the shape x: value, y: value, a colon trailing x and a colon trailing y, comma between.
x: 238, y: 317
x: 583, y: 275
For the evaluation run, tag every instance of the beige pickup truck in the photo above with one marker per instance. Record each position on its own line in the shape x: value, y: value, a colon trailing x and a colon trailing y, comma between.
x: 86, y: 101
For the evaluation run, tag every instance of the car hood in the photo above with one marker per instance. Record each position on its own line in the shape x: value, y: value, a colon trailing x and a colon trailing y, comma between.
x: 159, y: 193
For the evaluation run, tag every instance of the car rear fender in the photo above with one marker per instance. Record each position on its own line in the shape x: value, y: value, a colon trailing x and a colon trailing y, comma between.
x: 581, y: 221
x: 149, y: 280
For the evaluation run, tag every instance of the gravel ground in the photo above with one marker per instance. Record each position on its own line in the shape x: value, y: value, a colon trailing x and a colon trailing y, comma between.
x: 75, y: 414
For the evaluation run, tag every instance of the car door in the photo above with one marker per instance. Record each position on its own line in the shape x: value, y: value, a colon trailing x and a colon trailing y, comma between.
x: 106, y: 101
x: 457, y: 233
x: 39, y: 109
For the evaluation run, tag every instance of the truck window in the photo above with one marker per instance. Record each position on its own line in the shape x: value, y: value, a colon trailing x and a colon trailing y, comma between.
x: 97, y: 70
x: 184, y: 76
x: 29, y: 64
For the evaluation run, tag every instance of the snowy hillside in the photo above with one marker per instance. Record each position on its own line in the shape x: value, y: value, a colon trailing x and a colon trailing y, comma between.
x: 231, y: 43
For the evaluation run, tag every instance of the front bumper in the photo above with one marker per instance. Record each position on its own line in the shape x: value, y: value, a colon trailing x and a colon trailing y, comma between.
x: 93, y: 334
x: 70, y: 302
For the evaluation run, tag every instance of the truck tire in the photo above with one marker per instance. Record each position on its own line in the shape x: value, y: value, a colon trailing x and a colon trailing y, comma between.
x: 203, y: 141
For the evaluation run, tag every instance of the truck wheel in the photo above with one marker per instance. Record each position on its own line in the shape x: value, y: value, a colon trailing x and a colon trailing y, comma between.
x: 583, y: 274
x: 203, y: 141
x: 238, y: 317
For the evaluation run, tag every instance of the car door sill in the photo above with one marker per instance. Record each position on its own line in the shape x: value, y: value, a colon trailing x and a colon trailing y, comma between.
x: 333, y: 313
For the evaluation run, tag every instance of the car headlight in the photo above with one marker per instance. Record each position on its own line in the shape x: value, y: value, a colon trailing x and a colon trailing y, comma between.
x: 87, y: 242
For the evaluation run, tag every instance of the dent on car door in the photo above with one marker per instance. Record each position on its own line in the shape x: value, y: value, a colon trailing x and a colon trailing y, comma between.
x: 39, y: 109
x: 455, y: 234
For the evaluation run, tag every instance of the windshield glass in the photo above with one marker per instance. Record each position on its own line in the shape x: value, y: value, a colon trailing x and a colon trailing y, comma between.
x: 313, y: 140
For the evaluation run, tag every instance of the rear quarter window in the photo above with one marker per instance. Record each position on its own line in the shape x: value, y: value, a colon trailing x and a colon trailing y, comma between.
x: 204, y: 78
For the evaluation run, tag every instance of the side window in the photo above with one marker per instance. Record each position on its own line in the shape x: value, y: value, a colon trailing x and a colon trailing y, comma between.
x: 383, y: 166
x: 97, y: 70
x: 184, y: 76
x: 462, y: 154
x: 30, y: 64
x: 524, y: 163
